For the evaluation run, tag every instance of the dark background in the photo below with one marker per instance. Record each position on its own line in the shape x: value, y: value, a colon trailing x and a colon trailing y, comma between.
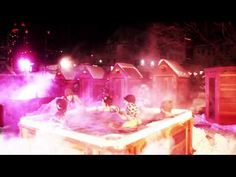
x: 72, y: 22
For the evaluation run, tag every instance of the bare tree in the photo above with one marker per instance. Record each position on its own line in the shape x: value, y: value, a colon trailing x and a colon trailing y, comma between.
x: 167, y: 37
x: 167, y: 40
x: 154, y: 39
x: 219, y: 36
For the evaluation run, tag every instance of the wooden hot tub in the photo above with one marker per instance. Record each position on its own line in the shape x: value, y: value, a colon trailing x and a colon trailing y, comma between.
x: 90, y: 141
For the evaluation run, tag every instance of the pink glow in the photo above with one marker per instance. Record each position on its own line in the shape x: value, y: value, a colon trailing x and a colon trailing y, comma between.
x: 25, y: 65
x: 152, y: 63
x: 42, y: 143
x: 27, y: 92
x: 36, y: 86
x: 65, y: 63
x: 142, y: 62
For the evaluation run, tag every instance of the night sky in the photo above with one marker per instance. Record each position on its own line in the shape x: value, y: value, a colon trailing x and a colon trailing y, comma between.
x: 61, y: 33
x: 65, y: 32
x: 66, y: 36
x: 72, y: 29
x: 92, y: 25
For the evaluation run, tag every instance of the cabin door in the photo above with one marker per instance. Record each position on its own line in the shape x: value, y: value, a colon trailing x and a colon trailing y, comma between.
x: 119, y: 91
x: 85, y: 91
x: 166, y: 88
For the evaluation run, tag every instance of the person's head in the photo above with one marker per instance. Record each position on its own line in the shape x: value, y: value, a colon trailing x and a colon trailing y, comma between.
x: 61, y: 105
x: 107, y: 100
x: 129, y: 99
x: 167, y: 105
x: 69, y: 94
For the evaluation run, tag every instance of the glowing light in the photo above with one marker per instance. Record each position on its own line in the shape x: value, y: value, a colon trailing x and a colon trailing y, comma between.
x: 195, y: 74
x: 22, y: 24
x: 142, y: 62
x: 152, y: 63
x: 201, y: 72
x: 112, y: 68
x: 65, y: 63
x: 25, y: 65
x: 189, y: 73
x: 187, y: 39
x: 15, y: 30
x: 100, y: 61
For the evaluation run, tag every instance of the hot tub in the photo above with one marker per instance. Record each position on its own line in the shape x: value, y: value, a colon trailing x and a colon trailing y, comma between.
x: 93, y: 140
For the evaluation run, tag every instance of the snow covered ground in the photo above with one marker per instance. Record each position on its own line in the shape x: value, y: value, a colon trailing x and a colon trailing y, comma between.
x: 42, y: 144
x: 208, y: 139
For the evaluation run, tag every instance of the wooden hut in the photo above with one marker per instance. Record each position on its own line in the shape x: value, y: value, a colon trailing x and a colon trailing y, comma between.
x: 123, y: 79
x: 221, y: 94
x: 170, y: 81
x: 91, y: 82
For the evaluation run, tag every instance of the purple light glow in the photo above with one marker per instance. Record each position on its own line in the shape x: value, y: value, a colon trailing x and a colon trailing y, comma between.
x: 27, y: 92
x: 25, y: 65
x: 37, y: 86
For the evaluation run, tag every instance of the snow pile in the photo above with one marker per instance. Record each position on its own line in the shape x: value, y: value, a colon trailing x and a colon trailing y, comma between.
x: 40, y: 144
x: 204, y: 143
x: 200, y: 142
x: 201, y: 120
x: 161, y: 147
x: 224, y: 145
x: 226, y: 128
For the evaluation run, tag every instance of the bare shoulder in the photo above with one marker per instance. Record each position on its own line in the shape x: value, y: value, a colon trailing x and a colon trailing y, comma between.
x: 114, y: 108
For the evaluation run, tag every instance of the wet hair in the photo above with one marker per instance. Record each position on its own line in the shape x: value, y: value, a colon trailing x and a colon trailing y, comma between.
x: 61, y: 107
x: 68, y: 92
x: 130, y: 98
x: 107, y: 100
x: 167, y: 105
x: 61, y: 104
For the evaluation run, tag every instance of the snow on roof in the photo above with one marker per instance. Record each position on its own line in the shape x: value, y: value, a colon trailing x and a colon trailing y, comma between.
x: 130, y: 70
x: 95, y: 71
x: 180, y: 71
